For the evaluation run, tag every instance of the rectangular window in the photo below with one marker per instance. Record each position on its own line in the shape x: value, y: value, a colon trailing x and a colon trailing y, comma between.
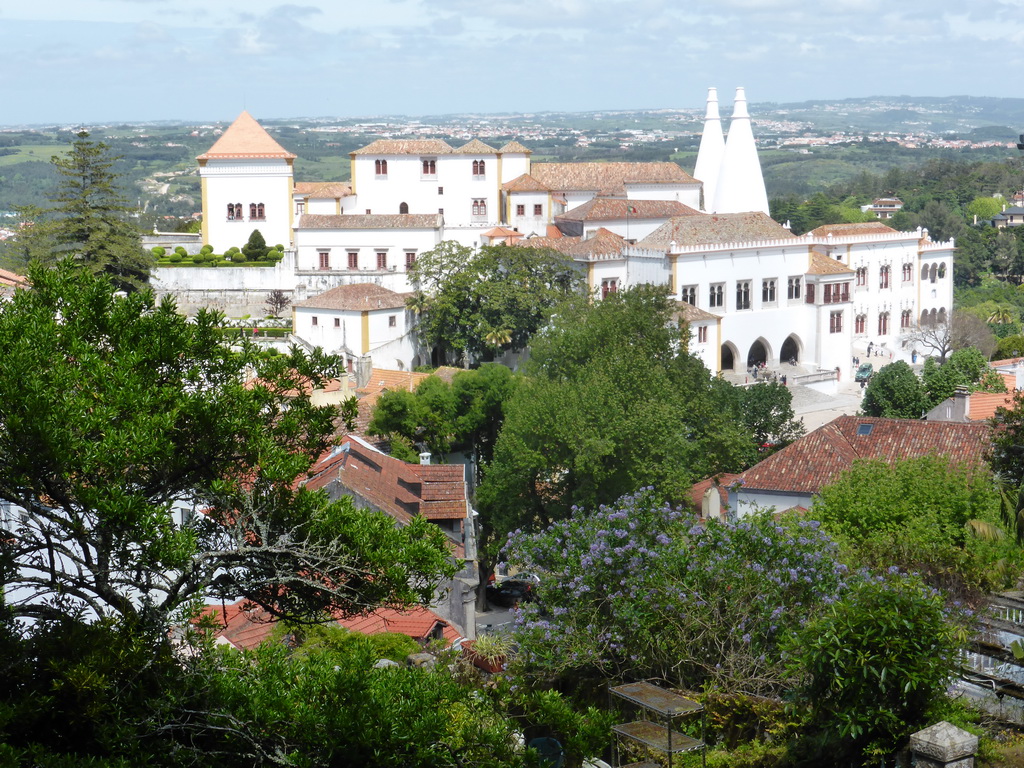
x: 520, y: 210
x: 440, y: 190
x: 716, y: 295
x: 410, y: 258
x: 300, y: 207
x: 441, y: 211
x: 835, y: 322
x: 793, y: 288
x: 702, y: 334
x: 382, y: 259
x: 367, y: 211
x: 353, y: 259
x: 392, y: 321
x: 337, y: 322
x: 689, y: 294
x: 768, y: 291
x: 315, y: 321
x: 810, y: 293
x: 325, y: 259
x: 743, y: 294
x: 538, y: 210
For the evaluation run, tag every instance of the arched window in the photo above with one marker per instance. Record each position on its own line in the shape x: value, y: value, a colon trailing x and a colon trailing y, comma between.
x: 260, y: 211
x: 934, y: 273
x: 942, y: 315
x: 231, y: 211
x: 924, y: 273
x: 933, y: 317
x: 942, y: 270
x: 478, y: 167
x: 381, y: 167
x: 883, y: 324
x: 403, y: 207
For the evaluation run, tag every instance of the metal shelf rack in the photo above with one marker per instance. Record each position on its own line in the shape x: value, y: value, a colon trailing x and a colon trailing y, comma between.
x: 659, y: 734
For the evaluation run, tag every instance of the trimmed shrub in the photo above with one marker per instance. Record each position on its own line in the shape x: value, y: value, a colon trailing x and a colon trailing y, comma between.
x: 158, y: 252
x: 174, y: 258
x: 238, y: 258
x: 206, y: 249
x: 180, y: 250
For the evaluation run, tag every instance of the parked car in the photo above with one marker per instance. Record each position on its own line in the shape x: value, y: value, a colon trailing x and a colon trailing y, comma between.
x: 864, y: 373
x: 509, y: 592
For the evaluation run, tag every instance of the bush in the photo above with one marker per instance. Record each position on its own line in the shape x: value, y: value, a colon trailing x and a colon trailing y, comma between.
x: 158, y: 252
x: 256, y: 249
x: 180, y: 250
x: 206, y: 249
x: 238, y: 258
x: 174, y: 258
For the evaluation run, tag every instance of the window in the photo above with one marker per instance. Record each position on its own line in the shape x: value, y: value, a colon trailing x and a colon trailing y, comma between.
x: 315, y: 321
x: 382, y: 259
x: 440, y: 190
x: 538, y: 209
x: 716, y: 296
x: 862, y: 277
x: 883, y: 277
x: 410, y: 258
x: 381, y: 168
x: 689, y: 294
x: 864, y: 430
x: 231, y: 211
x: 835, y: 322
x: 478, y: 168
x: 702, y: 334
x: 441, y: 211
x: 429, y: 166
x: 743, y: 294
x: 942, y: 271
x: 260, y: 212
x: 837, y: 292
x: 611, y: 285
x: 908, y: 273
x: 883, y: 324
x: 905, y: 318
x: 793, y: 288
x: 520, y: 210
x: 768, y: 291
x: 860, y: 324
x: 325, y: 259
x: 300, y: 207
x: 924, y: 273
x: 403, y: 207
x: 479, y: 206
x: 252, y: 211
x: 810, y: 293
x: 337, y: 322
x: 368, y: 211
x: 353, y: 259
x: 392, y: 322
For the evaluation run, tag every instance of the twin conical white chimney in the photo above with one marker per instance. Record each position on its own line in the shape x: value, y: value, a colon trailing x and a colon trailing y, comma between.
x: 712, y: 148
x: 739, y: 185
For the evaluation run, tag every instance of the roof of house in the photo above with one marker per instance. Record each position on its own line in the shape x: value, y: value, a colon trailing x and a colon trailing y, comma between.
x: 514, y: 147
x: 474, y: 147
x: 984, y: 405
x: 863, y: 228
x: 406, y: 147
x: 723, y: 482
x: 246, y: 138
x: 615, y: 208
x: 692, y: 314
x: 323, y: 190
x: 603, y: 242
x: 400, y: 489
x: 716, y: 228
x: 607, y: 178
x: 371, y: 221
x: 816, y: 459
x: 820, y: 264
x: 356, y: 297
x: 525, y: 183
x: 13, y: 279
x: 245, y: 626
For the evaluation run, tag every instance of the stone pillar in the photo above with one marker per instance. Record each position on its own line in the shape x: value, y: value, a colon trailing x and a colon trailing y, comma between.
x: 943, y: 745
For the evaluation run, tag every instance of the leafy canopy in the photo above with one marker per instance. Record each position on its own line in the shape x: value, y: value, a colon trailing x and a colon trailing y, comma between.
x: 117, y: 413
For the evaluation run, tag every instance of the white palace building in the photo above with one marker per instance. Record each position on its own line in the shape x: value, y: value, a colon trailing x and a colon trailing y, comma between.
x: 753, y: 291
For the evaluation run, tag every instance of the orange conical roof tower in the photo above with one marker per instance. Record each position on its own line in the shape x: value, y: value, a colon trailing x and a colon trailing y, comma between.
x: 246, y: 138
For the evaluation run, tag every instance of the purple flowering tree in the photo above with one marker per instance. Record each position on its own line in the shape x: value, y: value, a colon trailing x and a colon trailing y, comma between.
x: 639, y: 589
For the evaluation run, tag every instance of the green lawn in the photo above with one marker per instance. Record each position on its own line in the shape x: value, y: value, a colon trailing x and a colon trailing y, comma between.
x: 29, y: 152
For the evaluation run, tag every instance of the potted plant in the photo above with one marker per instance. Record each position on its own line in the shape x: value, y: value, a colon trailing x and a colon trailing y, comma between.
x: 488, y: 652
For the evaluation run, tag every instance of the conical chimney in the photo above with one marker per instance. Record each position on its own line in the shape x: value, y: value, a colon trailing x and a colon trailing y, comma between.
x: 740, y: 185
x: 712, y: 149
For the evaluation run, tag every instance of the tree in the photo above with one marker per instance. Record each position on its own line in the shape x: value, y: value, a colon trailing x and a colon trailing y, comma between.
x: 256, y: 248
x: 1009, y: 347
x: 765, y: 410
x: 116, y: 413
x: 962, y: 329
x: 277, y: 302
x: 494, y: 298
x: 610, y: 404
x: 895, y: 392
x: 90, y: 220
x: 967, y: 368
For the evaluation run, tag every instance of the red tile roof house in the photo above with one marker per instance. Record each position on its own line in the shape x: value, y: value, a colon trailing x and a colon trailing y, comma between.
x: 793, y: 477
x: 437, y: 492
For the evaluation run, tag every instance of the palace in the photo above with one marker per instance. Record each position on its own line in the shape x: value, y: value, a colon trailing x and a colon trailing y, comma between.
x: 752, y: 291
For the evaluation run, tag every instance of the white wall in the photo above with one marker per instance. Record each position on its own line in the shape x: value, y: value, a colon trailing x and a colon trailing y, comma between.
x: 247, y: 181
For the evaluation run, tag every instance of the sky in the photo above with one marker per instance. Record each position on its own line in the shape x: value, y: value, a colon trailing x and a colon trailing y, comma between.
x: 96, y: 61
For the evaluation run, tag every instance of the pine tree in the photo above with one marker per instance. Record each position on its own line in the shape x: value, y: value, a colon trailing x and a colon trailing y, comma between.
x: 89, y: 221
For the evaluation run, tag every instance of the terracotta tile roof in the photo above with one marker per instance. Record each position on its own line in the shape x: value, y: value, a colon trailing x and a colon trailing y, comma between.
x: 474, y: 147
x: 246, y: 626
x: 716, y: 228
x: 525, y: 183
x: 323, y: 190
x: 382, y: 379
x: 820, y: 264
x: 983, y: 405
x: 607, y: 178
x: 356, y: 297
x: 514, y: 147
x: 246, y: 138
x: 1007, y: 361
x: 13, y: 279
x: 502, y: 232
x: 371, y: 221
x: 614, y: 208
x: 406, y: 147
x: 816, y: 459
x: 603, y: 242
x: 723, y: 482
x: 692, y: 314
x: 553, y: 231
x: 863, y: 228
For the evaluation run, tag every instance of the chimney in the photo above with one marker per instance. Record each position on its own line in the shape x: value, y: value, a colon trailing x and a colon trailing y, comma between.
x: 364, y: 365
x: 425, y: 458
x: 1018, y: 371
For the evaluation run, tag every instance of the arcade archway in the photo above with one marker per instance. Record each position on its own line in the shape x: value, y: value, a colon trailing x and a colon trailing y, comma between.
x: 758, y: 354
x: 790, y: 352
